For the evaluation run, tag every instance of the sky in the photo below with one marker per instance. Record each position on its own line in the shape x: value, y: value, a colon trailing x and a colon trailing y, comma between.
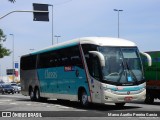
x: 139, y: 22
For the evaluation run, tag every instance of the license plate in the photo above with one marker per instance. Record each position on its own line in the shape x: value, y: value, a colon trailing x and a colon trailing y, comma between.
x: 128, y: 98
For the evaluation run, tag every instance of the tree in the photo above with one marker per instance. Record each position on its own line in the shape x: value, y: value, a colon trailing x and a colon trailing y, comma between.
x: 12, y: 1
x: 3, y: 51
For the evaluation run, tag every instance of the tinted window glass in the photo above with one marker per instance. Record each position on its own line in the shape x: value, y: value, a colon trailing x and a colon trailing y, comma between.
x: 28, y: 62
x: 64, y: 57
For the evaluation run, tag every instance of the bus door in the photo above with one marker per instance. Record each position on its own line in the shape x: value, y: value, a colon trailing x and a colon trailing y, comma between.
x: 95, y: 75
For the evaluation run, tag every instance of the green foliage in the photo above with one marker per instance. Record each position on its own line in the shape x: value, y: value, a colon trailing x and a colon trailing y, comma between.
x: 3, y: 51
x: 2, y: 36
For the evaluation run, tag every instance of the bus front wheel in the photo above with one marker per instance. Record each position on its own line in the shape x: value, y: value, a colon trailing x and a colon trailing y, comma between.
x: 84, y: 99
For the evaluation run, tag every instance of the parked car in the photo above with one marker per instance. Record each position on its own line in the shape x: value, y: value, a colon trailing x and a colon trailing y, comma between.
x: 19, y: 86
x: 1, y: 82
x: 6, y: 88
x: 17, y: 89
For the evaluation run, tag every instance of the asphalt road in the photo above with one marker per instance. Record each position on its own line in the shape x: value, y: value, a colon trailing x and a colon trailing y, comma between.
x: 20, y: 107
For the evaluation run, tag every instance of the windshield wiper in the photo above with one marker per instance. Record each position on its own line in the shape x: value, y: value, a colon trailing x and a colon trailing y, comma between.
x: 118, y: 81
x: 131, y: 72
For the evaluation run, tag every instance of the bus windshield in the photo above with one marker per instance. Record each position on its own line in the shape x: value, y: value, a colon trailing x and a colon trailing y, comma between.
x: 122, y: 65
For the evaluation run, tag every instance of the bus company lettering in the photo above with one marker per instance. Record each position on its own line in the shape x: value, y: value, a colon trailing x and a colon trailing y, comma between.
x: 49, y: 74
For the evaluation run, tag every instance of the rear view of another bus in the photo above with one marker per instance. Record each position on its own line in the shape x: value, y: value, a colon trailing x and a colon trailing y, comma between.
x: 152, y: 76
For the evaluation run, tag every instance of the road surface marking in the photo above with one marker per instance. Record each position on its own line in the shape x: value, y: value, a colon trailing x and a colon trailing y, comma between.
x: 5, y: 100
x: 28, y: 104
x: 13, y: 103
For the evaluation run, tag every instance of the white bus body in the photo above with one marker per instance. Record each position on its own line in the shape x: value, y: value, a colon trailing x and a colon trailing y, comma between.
x: 92, y: 69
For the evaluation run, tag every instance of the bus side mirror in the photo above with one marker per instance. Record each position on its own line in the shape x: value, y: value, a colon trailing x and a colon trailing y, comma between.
x: 100, y: 57
x: 149, y: 59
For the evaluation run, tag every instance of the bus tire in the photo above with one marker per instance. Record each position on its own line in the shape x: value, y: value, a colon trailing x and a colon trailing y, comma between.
x: 37, y: 94
x: 84, y: 98
x: 31, y: 94
x: 119, y: 105
x: 149, y: 99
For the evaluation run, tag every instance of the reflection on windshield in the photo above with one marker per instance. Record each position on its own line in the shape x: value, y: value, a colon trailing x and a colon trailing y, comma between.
x: 122, y: 65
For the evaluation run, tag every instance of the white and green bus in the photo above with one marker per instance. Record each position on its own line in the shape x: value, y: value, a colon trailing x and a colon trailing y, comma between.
x: 89, y: 70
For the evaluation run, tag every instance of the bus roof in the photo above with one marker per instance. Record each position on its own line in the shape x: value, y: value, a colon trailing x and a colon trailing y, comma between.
x: 152, y: 52
x: 101, y: 41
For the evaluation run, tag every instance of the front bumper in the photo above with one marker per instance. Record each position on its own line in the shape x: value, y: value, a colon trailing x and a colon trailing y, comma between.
x: 109, y: 97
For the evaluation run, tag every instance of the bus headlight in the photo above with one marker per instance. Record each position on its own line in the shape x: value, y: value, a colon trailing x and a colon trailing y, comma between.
x: 109, y: 90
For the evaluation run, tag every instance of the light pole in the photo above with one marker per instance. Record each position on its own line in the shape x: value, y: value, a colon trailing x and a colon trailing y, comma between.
x: 12, y: 56
x: 52, y: 23
x: 57, y: 36
x: 118, y: 18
